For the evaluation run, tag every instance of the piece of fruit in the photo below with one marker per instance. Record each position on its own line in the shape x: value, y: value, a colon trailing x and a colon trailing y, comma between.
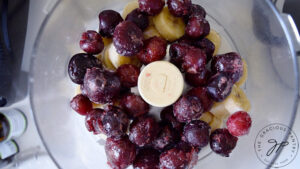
x: 78, y: 65
x: 115, y: 122
x: 77, y: 90
x: 219, y: 87
x: 151, y: 7
x: 154, y: 49
x: 179, y: 8
x: 194, y: 61
x: 116, y: 59
x: 81, y: 104
x: 134, y: 105
x: 222, y: 142
x: 129, y: 8
x: 177, y: 51
x: 108, y: 20
x: 199, y: 79
x: 139, y: 18
x: 230, y: 64
x: 128, y: 38
x: 98, y: 105
x: 107, y: 41
x: 174, y: 158
x: 202, y: 95
x: 167, y: 116
x: 239, y: 123
x: 106, y: 60
x: 197, y: 27
x: 236, y: 101
x: 197, y: 10
x: 215, y: 123
x: 156, y: 83
x: 150, y: 32
x: 119, y: 153
x: 245, y: 74
x: 147, y: 158
x: 207, y: 117
x: 169, y: 26
x: 101, y: 86
x: 215, y: 38
x: 143, y: 130
x: 196, y: 133
x: 93, y: 121
x: 166, y: 137
x: 128, y: 75
x: 188, y: 108
x: 91, y: 42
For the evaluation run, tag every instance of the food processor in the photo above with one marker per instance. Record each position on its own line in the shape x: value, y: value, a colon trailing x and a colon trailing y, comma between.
x: 266, y: 39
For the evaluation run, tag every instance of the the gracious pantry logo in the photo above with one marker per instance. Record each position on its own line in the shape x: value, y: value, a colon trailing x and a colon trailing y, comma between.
x: 270, y: 140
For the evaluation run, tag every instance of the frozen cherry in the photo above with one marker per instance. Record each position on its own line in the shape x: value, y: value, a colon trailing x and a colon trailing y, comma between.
x: 196, y: 133
x: 207, y: 46
x: 239, y: 123
x: 177, y: 51
x: 167, y: 115
x: 115, y: 122
x: 128, y: 75
x: 78, y: 65
x: 174, y: 158
x: 139, y: 18
x: 219, y: 87
x: 187, y: 108
x: 151, y: 7
x: 91, y: 42
x: 194, y: 61
x: 222, y: 142
x: 81, y: 104
x: 134, y: 105
x: 154, y: 49
x: 128, y: 38
x: 230, y: 63
x: 147, y: 158
x: 108, y: 19
x: 199, y: 79
x: 197, y: 27
x: 119, y: 153
x: 166, y: 136
x: 143, y: 130
x: 101, y: 86
x: 197, y: 10
x: 93, y: 121
x: 191, y: 153
x: 179, y: 8
x: 201, y: 93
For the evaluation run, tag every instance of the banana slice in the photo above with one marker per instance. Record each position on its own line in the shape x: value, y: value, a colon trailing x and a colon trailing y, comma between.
x: 151, y: 23
x: 216, y: 40
x: 107, y: 41
x: 215, y: 123
x: 129, y: 7
x: 100, y: 106
x: 150, y: 32
x: 106, y: 61
x: 236, y: 101
x: 169, y: 26
x: 207, y: 117
x: 160, y: 83
x: 117, y: 59
x: 77, y: 90
x: 245, y: 74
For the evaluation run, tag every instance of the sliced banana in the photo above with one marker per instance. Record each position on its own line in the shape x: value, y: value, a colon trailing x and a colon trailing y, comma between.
x: 216, y: 40
x: 245, y: 74
x: 207, y: 117
x: 236, y: 101
x: 160, y: 83
x: 77, y: 90
x: 117, y: 59
x: 130, y: 7
x: 107, y: 41
x: 169, y: 26
x: 96, y: 105
x: 150, y: 32
x: 215, y: 123
x: 106, y: 61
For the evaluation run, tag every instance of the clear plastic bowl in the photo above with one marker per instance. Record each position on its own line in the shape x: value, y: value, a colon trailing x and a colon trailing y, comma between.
x: 252, y: 28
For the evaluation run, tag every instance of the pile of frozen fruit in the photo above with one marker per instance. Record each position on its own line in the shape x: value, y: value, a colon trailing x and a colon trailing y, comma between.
x: 111, y: 66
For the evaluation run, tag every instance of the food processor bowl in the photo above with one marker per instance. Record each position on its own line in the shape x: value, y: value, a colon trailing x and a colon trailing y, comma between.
x: 252, y: 28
